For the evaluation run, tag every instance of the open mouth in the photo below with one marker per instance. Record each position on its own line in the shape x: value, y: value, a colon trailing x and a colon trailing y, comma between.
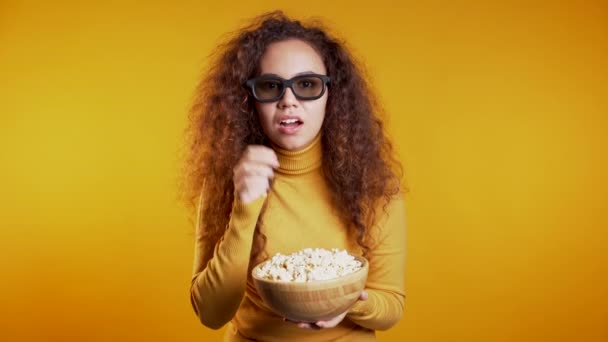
x: 291, y: 123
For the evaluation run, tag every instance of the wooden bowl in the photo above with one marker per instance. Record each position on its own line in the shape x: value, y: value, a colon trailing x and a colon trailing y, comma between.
x: 312, y: 301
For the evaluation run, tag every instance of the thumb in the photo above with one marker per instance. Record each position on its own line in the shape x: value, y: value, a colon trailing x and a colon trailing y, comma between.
x: 363, y: 295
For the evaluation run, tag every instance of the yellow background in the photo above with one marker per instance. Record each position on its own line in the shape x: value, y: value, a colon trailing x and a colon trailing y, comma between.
x: 499, y: 113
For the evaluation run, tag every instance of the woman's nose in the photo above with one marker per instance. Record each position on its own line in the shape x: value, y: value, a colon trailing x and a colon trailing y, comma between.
x: 288, y: 99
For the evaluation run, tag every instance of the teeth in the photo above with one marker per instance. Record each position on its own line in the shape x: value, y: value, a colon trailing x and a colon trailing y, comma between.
x: 290, y: 121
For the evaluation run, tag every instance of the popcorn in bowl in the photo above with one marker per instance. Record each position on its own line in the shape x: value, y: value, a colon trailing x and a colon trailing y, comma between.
x: 308, y: 265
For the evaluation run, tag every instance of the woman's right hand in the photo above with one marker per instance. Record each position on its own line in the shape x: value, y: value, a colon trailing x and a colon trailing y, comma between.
x: 253, y: 172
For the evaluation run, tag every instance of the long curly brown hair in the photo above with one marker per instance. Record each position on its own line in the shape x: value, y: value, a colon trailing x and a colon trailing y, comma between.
x: 358, y: 161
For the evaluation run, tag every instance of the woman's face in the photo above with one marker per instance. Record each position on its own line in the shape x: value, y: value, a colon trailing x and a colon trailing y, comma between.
x: 287, y: 59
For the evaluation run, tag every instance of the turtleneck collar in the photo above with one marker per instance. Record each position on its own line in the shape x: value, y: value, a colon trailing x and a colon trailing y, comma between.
x: 301, y: 161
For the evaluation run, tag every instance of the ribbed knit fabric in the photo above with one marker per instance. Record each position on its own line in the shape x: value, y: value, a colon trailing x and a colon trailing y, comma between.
x: 302, y: 161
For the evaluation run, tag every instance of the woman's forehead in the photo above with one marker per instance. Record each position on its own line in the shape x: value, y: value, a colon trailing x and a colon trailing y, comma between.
x: 289, y: 58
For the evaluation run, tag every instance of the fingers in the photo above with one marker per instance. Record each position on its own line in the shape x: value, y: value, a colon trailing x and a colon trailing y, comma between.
x: 332, y: 322
x: 253, y: 173
x: 303, y: 325
x: 323, y: 324
x: 319, y: 324
x: 253, y: 169
x: 312, y: 326
x: 261, y: 155
x: 328, y: 323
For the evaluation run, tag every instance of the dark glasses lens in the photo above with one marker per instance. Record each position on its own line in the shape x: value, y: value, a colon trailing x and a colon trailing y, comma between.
x: 272, y: 88
x: 268, y: 88
x: 307, y: 86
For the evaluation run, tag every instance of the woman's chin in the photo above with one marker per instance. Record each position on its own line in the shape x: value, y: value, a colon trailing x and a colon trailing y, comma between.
x: 291, y: 143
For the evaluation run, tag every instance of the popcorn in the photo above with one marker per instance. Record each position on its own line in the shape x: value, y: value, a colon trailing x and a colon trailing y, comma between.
x: 309, y: 264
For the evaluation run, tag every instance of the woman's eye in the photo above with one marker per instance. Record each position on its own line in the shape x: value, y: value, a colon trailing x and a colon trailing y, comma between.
x: 305, y: 84
x: 269, y: 85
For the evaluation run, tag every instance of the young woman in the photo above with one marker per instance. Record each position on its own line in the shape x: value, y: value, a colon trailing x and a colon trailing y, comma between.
x: 286, y: 152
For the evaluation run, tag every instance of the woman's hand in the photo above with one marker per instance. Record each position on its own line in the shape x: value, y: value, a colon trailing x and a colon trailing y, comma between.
x: 253, y: 172
x: 329, y: 323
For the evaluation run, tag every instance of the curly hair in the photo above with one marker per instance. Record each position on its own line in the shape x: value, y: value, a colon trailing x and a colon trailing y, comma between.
x: 358, y: 162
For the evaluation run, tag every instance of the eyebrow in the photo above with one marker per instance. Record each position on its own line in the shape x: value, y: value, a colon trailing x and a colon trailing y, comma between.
x: 308, y: 72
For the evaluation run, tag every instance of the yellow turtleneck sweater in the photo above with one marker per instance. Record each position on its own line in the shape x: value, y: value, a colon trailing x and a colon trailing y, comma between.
x: 298, y: 215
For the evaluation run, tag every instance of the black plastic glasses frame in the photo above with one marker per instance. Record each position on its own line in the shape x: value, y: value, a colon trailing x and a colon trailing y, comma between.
x: 287, y: 84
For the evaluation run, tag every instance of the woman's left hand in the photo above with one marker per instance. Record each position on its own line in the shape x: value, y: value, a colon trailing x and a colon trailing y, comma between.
x: 330, y: 323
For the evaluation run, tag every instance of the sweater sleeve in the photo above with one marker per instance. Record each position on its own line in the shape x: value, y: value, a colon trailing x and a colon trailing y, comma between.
x: 217, y: 290
x: 386, y: 282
